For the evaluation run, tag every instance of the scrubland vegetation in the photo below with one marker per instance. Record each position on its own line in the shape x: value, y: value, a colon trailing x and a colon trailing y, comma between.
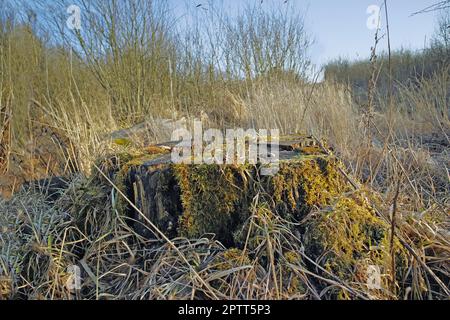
x: 63, y: 92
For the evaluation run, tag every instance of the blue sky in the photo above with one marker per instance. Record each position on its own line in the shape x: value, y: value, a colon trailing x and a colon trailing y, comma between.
x: 340, y: 27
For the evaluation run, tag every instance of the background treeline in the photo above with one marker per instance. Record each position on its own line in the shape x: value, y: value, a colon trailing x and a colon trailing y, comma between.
x: 407, y: 67
x: 136, y: 58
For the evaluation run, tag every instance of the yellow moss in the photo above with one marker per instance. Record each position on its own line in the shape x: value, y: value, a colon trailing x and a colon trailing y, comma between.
x: 308, y: 182
x: 311, y: 149
x: 209, y: 194
x: 215, y: 198
x: 5, y: 288
x: 155, y: 150
x: 345, y: 236
x: 232, y: 258
x: 122, y: 142
x: 292, y: 257
x: 292, y: 283
x: 353, y: 237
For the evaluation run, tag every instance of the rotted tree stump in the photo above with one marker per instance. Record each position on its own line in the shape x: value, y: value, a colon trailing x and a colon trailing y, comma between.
x: 196, y: 200
x: 310, y: 197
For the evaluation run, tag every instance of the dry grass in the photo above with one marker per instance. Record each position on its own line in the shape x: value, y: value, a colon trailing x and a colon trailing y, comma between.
x: 116, y: 263
x: 406, y: 165
x: 85, y: 227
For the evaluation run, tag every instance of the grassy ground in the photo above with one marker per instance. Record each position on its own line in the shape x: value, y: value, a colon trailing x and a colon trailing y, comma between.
x: 58, y: 107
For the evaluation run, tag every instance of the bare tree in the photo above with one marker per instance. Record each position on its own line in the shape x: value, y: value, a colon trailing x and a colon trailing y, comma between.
x: 441, y: 5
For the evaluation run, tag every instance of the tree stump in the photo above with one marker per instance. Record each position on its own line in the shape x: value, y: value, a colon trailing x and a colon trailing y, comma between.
x: 310, y: 200
x: 196, y: 200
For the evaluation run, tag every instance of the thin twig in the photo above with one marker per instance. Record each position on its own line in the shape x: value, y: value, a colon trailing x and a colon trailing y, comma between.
x: 392, y: 246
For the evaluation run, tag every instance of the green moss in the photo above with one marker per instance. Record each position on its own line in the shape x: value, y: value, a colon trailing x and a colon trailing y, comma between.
x: 307, y: 182
x: 122, y: 142
x: 348, y: 238
x: 210, y: 196
x: 291, y: 280
x: 227, y: 265
x: 217, y: 199
x: 232, y: 258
